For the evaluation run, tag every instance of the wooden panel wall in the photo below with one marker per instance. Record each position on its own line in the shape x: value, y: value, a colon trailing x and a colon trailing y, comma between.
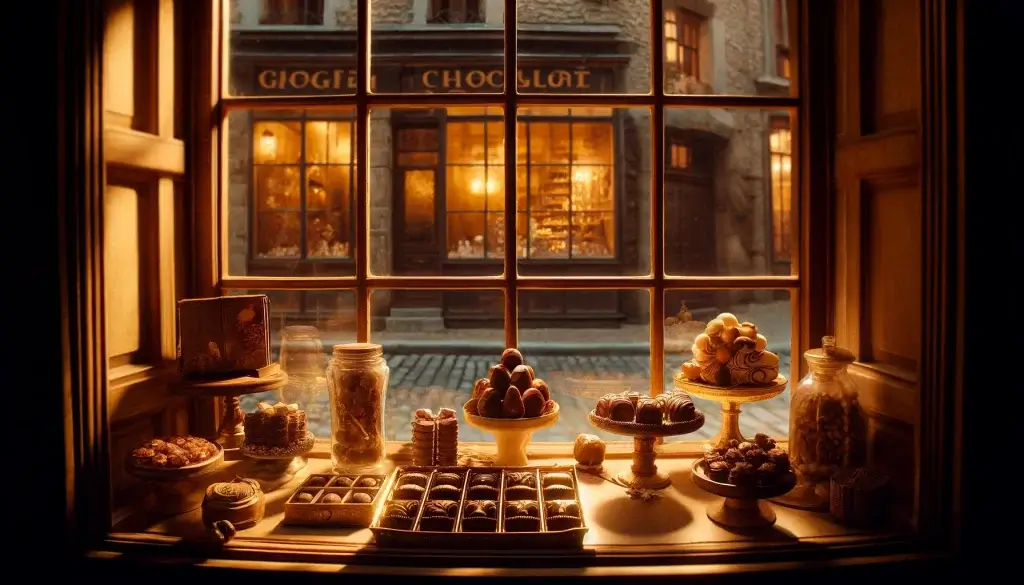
x: 143, y: 226
x: 879, y: 242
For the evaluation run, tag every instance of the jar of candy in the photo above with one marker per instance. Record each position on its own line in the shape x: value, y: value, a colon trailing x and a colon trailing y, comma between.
x: 357, y: 381
x: 827, y: 425
x: 302, y: 358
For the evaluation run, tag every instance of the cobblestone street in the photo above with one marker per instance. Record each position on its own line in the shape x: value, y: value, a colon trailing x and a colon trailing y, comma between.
x: 435, y: 381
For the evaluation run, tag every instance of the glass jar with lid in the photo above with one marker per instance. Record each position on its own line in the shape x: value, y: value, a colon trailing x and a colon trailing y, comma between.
x: 357, y: 381
x: 827, y: 425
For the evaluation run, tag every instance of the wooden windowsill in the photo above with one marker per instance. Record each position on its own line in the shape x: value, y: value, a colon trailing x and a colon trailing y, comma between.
x: 671, y: 530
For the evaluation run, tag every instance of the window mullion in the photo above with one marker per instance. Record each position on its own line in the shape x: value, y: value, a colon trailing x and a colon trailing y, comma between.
x: 362, y: 152
x: 511, y: 273
x: 657, y: 302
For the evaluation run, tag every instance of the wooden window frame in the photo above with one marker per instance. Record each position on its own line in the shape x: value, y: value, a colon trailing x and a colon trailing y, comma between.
x: 79, y: 410
x: 312, y: 13
x: 655, y: 283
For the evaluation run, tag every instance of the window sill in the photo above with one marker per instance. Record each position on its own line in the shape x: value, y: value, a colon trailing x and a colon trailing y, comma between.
x: 772, y: 84
x: 661, y: 536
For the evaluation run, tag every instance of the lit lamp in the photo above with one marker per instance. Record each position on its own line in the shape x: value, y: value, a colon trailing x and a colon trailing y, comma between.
x: 477, y: 186
x: 268, y: 145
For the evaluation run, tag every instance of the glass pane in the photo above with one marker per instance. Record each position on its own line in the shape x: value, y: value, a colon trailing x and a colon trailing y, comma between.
x: 270, y: 43
x: 428, y: 46
x: 583, y: 47
x: 585, y: 344
x: 729, y: 197
x: 300, y: 321
x: 587, y: 174
x: 686, y: 316
x: 290, y: 193
x: 437, y: 191
x: 437, y: 344
x: 723, y: 51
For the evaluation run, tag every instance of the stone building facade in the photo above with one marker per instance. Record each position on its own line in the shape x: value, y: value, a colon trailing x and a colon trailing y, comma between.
x: 726, y: 210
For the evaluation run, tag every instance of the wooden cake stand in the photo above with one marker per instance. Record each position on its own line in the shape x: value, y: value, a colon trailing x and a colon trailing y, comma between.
x: 277, y: 466
x: 644, y: 474
x: 743, y: 506
x: 730, y: 398
x: 175, y: 490
x: 511, y: 435
x: 231, y: 433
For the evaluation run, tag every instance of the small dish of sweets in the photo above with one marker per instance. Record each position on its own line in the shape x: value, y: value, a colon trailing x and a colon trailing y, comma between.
x: 747, y: 464
x: 334, y: 500
x: 631, y: 410
x: 482, y: 507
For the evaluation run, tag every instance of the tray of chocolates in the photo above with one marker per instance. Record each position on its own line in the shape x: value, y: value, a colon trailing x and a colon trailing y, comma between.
x: 328, y: 499
x: 630, y: 413
x: 482, y: 508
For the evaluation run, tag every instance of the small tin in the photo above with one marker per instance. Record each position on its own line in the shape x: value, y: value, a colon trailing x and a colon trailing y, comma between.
x: 240, y: 501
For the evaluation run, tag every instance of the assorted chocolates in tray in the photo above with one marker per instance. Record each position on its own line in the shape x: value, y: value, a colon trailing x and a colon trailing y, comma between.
x: 480, y: 507
x: 329, y: 499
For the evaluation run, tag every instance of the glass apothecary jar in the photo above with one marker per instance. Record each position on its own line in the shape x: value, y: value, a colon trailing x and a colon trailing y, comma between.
x: 357, y: 381
x: 302, y: 358
x: 827, y: 425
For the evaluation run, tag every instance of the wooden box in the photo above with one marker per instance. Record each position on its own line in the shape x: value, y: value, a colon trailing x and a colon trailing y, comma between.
x: 313, y: 511
x: 223, y: 336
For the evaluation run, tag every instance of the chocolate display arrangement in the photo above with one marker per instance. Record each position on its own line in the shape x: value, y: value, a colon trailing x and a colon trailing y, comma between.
x: 172, y: 468
x: 645, y: 419
x: 278, y: 435
x: 330, y: 499
x: 744, y: 474
x: 482, y: 507
x: 511, y: 403
x: 731, y: 365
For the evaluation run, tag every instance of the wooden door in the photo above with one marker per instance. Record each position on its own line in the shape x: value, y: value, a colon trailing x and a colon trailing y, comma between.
x: 417, y: 241
x: 143, y: 231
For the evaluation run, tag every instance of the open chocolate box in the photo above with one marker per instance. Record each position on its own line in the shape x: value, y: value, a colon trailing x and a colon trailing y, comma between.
x: 330, y: 499
x: 481, y: 508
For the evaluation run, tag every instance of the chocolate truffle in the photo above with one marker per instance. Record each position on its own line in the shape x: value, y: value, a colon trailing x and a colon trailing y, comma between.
x: 453, y: 479
x: 440, y: 509
x: 413, y: 478
x: 360, y: 498
x: 478, y: 388
x: 331, y: 498
x: 603, y: 405
x: 512, y: 406
x: 522, y: 508
x: 679, y: 407
x: 557, y: 479
x: 521, y: 378
x: 524, y: 478
x: 409, y: 492
x: 488, y: 479
x: 533, y: 403
x: 763, y: 441
x: 500, y: 378
x: 755, y: 456
x: 444, y: 492
x: 541, y: 386
x: 733, y: 455
x: 621, y: 409
x: 742, y: 474
x: 304, y: 498
x: 481, y: 509
x: 588, y: 450
x: 780, y: 458
x: 317, y: 481
x: 489, y: 404
x: 718, y: 471
x: 402, y: 508
x: 342, y: 482
x: 570, y: 509
x: 746, y: 446
x: 648, y: 412
x: 367, y: 482
x: 511, y: 358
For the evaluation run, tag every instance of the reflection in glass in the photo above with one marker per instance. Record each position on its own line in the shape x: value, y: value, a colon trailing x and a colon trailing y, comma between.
x: 475, y: 185
x: 303, y: 186
x: 780, y: 145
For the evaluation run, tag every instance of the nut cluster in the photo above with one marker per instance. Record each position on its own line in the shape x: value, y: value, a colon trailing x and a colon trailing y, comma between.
x: 174, y: 452
x: 747, y: 464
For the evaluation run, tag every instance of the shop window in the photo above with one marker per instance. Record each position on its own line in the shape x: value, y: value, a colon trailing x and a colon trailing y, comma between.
x: 303, y: 173
x: 455, y: 11
x: 292, y: 12
x: 682, y: 41
x: 780, y: 146
x: 780, y: 38
x: 475, y: 187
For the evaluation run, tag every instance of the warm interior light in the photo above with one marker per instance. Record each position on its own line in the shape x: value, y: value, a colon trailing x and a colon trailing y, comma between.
x: 268, y: 145
x: 581, y: 175
x: 476, y: 186
x: 784, y: 166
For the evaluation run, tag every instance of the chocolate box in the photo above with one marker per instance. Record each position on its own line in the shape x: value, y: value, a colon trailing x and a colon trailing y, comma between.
x: 311, y: 506
x: 223, y: 336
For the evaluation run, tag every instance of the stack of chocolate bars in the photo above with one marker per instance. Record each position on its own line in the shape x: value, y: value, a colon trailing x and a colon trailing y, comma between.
x: 435, y: 438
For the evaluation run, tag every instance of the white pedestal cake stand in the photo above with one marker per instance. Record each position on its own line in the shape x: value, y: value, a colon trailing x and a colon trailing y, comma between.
x: 512, y: 435
x: 730, y: 398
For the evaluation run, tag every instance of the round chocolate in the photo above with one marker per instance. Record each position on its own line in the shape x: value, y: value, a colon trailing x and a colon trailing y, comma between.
x: 444, y: 492
x: 500, y: 378
x: 440, y: 509
x: 648, y: 412
x: 488, y: 479
x: 342, y: 482
x: 620, y: 409
x: 367, y: 482
x: 304, y: 498
x: 521, y: 377
x: 453, y: 479
x: 331, y: 498
x: 409, y: 492
x: 413, y: 478
x: 317, y: 481
x: 511, y: 358
x: 522, y: 508
x: 361, y: 498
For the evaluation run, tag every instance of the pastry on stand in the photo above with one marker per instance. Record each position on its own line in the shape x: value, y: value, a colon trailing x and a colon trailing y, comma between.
x: 173, y: 468
x: 646, y: 419
x: 277, y: 435
x: 511, y: 403
x: 731, y: 366
x: 745, y: 474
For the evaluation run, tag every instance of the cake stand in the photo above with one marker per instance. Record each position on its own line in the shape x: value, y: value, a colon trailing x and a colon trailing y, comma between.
x: 643, y: 473
x: 730, y: 398
x: 743, y: 506
x: 511, y: 435
x: 174, y: 490
x: 231, y: 433
x: 276, y: 466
